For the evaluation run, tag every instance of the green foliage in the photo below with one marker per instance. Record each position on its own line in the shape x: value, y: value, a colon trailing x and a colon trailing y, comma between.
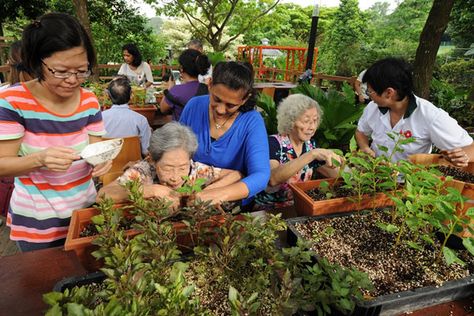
x: 339, y: 114
x: 461, y: 22
x: 269, y: 113
x: 344, y: 39
x: 146, y: 276
x: 190, y: 187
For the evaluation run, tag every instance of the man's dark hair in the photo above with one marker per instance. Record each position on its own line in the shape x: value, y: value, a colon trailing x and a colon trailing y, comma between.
x: 194, y: 63
x: 393, y: 73
x: 51, y: 33
x: 236, y: 76
x: 132, y: 49
x: 120, y: 90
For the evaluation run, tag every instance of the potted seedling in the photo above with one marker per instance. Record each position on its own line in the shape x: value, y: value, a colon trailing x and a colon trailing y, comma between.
x: 398, y: 247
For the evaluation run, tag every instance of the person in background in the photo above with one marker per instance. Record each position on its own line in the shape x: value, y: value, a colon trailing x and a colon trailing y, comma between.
x: 197, y: 45
x: 231, y: 133
x: 45, y: 123
x: 120, y: 120
x: 361, y: 89
x: 294, y: 156
x: 17, y: 72
x: 395, y: 108
x: 136, y: 70
x: 192, y: 63
x: 171, y: 149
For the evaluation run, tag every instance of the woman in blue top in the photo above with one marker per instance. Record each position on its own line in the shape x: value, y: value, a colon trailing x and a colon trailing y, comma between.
x: 231, y: 133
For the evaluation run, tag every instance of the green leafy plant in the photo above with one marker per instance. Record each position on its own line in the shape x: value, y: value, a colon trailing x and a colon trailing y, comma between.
x: 340, y: 114
x: 269, y: 113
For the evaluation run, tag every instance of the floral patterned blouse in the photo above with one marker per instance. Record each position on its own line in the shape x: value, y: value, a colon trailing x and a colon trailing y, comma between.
x: 146, y: 172
x: 282, y: 150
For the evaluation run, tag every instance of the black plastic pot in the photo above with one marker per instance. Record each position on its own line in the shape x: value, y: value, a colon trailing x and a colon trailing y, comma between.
x: 69, y: 283
x: 397, y: 303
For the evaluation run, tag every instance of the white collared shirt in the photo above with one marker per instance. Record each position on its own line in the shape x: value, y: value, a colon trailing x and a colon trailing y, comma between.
x: 427, y: 123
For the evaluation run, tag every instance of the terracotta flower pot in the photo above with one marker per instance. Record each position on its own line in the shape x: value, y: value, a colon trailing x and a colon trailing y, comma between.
x: 306, y: 206
x: 466, y: 188
x: 83, y: 246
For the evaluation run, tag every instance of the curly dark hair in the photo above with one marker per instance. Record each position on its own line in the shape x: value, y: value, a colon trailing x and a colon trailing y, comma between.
x: 132, y: 49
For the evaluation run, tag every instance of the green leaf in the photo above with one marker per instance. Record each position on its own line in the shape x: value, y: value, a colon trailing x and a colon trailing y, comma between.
x: 54, y: 311
x: 52, y: 298
x: 450, y: 256
x: 74, y: 309
x: 469, y: 244
x: 233, y: 294
x: 414, y: 245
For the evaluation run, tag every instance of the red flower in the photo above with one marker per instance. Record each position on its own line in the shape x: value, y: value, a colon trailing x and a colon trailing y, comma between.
x: 401, y: 132
x: 408, y: 134
x: 443, y: 178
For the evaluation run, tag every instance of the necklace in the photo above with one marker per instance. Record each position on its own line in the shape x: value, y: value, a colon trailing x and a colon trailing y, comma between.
x: 219, y: 126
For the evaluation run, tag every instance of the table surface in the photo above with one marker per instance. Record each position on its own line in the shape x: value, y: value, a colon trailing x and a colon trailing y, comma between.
x: 25, y: 277
x: 276, y: 85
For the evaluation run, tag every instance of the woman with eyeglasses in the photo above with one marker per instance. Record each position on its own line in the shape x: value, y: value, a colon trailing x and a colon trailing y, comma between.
x: 44, y: 124
x: 231, y: 133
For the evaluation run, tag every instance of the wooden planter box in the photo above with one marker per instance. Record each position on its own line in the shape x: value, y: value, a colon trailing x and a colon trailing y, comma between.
x: 401, y: 302
x: 83, y: 246
x: 466, y: 188
x: 306, y: 206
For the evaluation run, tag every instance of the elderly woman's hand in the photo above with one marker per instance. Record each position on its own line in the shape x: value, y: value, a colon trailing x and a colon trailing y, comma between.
x: 456, y: 156
x: 328, y: 156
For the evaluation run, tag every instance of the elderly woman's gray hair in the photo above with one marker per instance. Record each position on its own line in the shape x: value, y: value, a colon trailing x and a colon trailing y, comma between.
x: 291, y: 108
x: 172, y: 136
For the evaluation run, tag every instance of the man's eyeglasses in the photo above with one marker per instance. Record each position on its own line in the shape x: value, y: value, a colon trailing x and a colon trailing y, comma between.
x: 369, y: 92
x: 67, y: 74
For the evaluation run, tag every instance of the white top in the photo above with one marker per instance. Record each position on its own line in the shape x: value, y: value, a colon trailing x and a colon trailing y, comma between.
x: 138, y: 76
x: 363, y: 85
x: 427, y: 123
x: 204, y: 78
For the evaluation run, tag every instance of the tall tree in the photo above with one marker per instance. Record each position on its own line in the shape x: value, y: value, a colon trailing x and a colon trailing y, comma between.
x: 209, y: 19
x: 344, y: 39
x: 430, y: 40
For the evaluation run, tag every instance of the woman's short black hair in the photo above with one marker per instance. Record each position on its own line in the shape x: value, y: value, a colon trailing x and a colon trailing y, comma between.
x: 194, y: 63
x: 236, y: 76
x: 132, y: 49
x: 393, y: 73
x: 51, y: 33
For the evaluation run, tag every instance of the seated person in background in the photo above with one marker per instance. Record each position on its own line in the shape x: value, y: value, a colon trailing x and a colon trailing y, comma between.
x: 394, y: 108
x: 294, y: 156
x: 136, y: 70
x: 192, y: 63
x: 197, y: 45
x: 361, y: 89
x: 171, y: 149
x: 119, y: 120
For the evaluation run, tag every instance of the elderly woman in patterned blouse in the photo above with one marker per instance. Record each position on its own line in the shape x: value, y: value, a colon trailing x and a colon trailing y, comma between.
x: 294, y: 156
x: 171, y: 149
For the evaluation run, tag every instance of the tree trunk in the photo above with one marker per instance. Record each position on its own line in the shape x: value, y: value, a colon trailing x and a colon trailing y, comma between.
x: 83, y: 16
x: 430, y: 40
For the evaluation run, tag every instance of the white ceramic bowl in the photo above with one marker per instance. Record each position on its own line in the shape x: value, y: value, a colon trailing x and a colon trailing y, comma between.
x: 100, y: 152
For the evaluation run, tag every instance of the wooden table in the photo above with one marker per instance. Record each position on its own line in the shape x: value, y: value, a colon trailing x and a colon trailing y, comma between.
x: 25, y: 277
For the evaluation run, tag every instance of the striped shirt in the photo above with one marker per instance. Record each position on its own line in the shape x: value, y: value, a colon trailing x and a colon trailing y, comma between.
x: 43, y: 200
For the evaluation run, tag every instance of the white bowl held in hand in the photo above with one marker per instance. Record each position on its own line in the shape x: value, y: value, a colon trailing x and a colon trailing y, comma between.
x: 100, y: 152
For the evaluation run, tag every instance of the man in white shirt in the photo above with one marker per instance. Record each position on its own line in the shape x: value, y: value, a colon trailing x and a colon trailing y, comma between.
x: 394, y: 108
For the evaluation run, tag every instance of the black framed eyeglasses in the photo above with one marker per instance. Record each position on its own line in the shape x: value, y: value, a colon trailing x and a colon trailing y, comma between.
x: 67, y: 74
